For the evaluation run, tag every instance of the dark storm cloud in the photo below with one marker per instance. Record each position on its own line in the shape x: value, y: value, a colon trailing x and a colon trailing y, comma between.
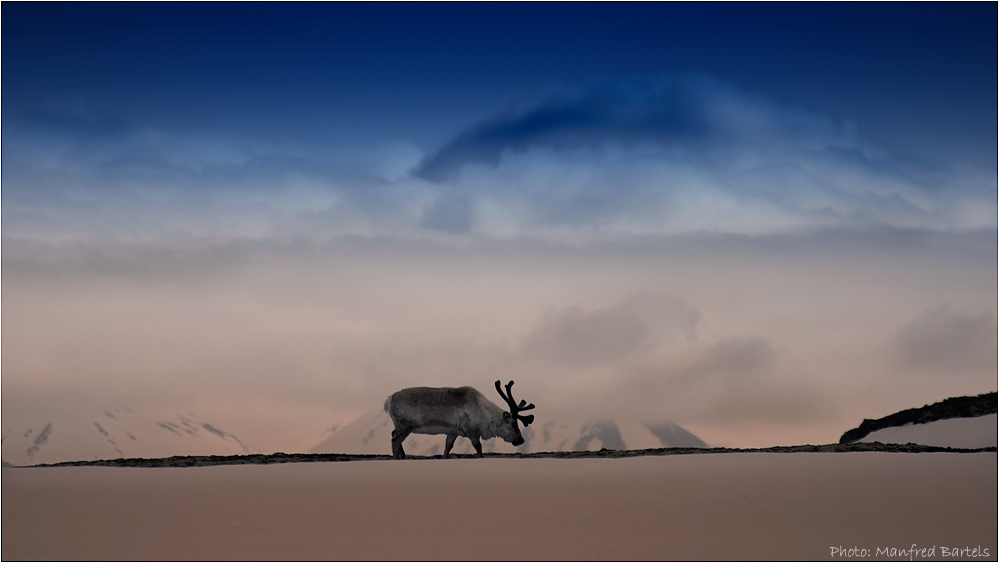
x: 681, y: 154
x: 948, y: 342
x: 694, y: 112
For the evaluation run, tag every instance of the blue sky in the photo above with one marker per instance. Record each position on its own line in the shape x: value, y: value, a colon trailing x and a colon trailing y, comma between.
x: 205, y: 94
x: 341, y: 72
x: 364, y: 196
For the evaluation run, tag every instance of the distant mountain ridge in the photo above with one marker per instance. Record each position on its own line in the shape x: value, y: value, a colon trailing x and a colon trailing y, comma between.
x: 107, y: 433
x: 280, y: 457
x: 954, y: 407
x: 371, y: 434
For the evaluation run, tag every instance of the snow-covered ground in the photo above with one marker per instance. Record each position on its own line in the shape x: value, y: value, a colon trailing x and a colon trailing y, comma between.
x: 738, y: 506
x: 976, y: 432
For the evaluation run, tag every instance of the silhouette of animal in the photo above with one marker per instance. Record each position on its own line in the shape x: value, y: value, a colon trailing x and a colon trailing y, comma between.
x: 455, y: 411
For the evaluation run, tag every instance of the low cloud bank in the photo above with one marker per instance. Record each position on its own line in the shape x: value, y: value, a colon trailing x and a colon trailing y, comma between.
x: 694, y: 114
x: 948, y: 342
x: 575, y: 337
x: 679, y: 154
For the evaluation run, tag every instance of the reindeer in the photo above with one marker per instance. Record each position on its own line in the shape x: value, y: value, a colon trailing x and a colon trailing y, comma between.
x: 460, y: 411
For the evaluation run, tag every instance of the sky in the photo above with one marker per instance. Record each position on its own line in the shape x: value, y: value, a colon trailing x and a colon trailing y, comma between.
x: 764, y: 222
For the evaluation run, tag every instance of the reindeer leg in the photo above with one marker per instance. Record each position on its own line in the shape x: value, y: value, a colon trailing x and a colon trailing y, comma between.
x: 398, y: 436
x: 449, y: 443
x: 477, y: 445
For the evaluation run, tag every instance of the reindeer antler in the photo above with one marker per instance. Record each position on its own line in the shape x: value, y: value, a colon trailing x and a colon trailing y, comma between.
x: 516, y: 409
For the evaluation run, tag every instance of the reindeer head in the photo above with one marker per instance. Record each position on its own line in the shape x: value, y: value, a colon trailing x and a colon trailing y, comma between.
x: 514, y: 415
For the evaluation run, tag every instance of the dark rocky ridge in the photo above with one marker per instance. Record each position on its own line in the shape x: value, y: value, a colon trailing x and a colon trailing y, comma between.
x: 955, y: 407
x: 262, y: 459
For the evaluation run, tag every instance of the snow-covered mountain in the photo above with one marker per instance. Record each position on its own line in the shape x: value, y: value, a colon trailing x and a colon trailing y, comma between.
x: 957, y: 422
x: 109, y: 433
x: 372, y: 434
x: 972, y: 432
